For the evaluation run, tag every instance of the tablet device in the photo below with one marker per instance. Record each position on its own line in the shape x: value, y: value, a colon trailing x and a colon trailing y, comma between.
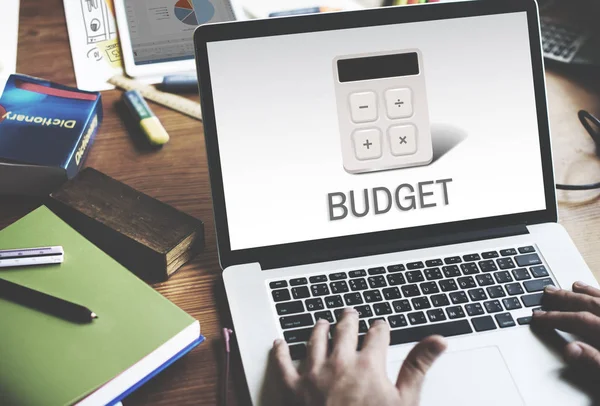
x: 157, y: 35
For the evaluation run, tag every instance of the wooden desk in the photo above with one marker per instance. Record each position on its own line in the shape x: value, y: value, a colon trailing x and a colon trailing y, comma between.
x: 178, y: 175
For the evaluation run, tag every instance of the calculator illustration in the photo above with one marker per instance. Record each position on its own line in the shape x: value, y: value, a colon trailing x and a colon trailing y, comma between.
x: 382, y: 111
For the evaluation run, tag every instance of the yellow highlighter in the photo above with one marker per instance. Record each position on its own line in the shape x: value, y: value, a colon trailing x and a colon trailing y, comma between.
x: 148, y: 122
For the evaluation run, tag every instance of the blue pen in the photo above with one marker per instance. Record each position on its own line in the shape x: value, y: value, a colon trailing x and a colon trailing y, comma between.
x: 179, y: 84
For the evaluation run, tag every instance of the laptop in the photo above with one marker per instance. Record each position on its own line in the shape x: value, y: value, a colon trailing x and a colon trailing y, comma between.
x: 397, y: 161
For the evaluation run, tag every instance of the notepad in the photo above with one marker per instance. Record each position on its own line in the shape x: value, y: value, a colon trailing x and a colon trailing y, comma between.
x: 45, y: 360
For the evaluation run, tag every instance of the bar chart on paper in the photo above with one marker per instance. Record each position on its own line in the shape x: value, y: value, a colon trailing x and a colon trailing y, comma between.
x: 194, y: 12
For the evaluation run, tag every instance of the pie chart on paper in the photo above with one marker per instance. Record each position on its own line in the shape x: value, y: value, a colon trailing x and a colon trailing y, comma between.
x: 194, y: 12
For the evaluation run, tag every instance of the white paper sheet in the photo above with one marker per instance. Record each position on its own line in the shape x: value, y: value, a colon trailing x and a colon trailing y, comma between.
x: 9, y: 33
x: 94, y: 42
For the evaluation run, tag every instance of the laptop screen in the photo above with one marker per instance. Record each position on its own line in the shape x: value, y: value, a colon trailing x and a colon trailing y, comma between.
x: 344, y: 132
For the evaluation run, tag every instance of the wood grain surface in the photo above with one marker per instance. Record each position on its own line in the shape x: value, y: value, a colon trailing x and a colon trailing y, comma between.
x: 178, y: 175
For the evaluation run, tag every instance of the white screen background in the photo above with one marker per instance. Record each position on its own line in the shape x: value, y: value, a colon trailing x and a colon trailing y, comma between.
x: 279, y: 139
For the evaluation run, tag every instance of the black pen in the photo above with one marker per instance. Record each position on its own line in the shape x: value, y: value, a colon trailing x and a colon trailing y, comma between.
x: 45, y: 303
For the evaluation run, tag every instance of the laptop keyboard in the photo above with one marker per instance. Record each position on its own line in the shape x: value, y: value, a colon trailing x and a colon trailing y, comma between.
x: 451, y: 296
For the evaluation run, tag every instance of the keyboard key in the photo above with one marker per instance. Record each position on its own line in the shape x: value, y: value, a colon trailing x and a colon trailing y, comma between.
x: 451, y: 271
x: 358, y: 284
x: 440, y: 300
x: 505, y: 263
x: 376, y: 281
x: 278, y: 284
x: 417, y: 318
x: 489, y: 254
x: 352, y: 299
x: 528, y: 259
x: 466, y: 282
x: 429, y: 287
x: 526, y: 250
x: 474, y: 309
x: 521, y: 274
x: 326, y: 315
x: 413, y: 334
x: 357, y: 273
x: 338, y: 313
x: 362, y: 327
x: 469, y: 268
x: 508, y: 252
x: 401, y: 306
x: 514, y: 289
x: 415, y: 265
x: 414, y: 276
x: 289, y: 307
x: 487, y: 266
x: 319, y: 289
x: 300, y: 320
x: 436, y: 315
x: 364, y: 311
x: 503, y: 277
x: 318, y: 279
x: 339, y: 287
x: 452, y: 260
x: 372, y: 296
x: 434, y: 262
x: 524, y: 320
x: 458, y: 297
x: 484, y: 323
x: 537, y: 285
x: 396, y: 268
x: 420, y: 303
x: 448, y: 285
x: 471, y: 257
x: 455, y: 312
x: 396, y: 279
x: 505, y: 320
x: 391, y: 293
x: 539, y: 271
x: 433, y: 274
x: 377, y: 271
x: 298, y: 281
x: 477, y: 294
x: 281, y: 295
x: 334, y: 301
x: 300, y: 292
x: 397, y: 320
x: 511, y: 303
x: 314, y: 304
x: 336, y: 276
x: 372, y: 321
x: 493, y: 306
x: 495, y: 292
x: 298, y: 351
x: 382, y: 308
x: 296, y: 336
x: 485, y: 279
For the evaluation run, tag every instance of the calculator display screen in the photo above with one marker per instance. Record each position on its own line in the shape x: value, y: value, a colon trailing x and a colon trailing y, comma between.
x: 378, y: 67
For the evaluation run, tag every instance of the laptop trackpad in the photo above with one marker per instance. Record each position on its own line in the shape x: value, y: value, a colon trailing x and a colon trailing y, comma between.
x: 469, y: 378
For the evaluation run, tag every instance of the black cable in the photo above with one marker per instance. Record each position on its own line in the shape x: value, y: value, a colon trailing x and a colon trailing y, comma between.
x: 589, y: 122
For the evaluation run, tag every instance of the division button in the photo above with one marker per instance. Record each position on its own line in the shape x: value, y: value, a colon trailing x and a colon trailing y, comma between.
x: 367, y: 144
x: 403, y: 139
x: 363, y: 107
x: 399, y: 103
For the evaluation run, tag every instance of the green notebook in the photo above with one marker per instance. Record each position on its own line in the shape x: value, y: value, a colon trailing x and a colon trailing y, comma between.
x: 45, y: 360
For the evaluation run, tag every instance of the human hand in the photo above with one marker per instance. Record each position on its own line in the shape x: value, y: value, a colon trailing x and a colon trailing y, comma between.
x: 576, y: 312
x: 349, y: 377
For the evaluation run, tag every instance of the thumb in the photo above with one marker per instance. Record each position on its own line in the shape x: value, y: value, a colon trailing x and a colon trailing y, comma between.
x: 417, y: 363
x: 583, y: 355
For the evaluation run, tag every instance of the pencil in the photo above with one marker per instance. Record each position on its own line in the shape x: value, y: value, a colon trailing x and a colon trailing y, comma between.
x: 45, y: 303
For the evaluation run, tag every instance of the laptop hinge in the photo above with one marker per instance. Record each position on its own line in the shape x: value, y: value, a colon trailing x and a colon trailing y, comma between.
x: 403, y: 245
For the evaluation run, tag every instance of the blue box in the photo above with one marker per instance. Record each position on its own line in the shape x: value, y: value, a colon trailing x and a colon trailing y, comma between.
x: 46, y: 132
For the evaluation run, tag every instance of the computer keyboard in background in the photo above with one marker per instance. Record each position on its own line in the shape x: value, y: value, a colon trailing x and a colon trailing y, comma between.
x: 456, y: 295
x: 561, y: 42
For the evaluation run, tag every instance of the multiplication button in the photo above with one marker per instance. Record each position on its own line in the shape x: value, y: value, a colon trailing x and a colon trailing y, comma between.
x: 367, y: 144
x: 363, y: 107
x: 403, y: 139
x: 399, y: 103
